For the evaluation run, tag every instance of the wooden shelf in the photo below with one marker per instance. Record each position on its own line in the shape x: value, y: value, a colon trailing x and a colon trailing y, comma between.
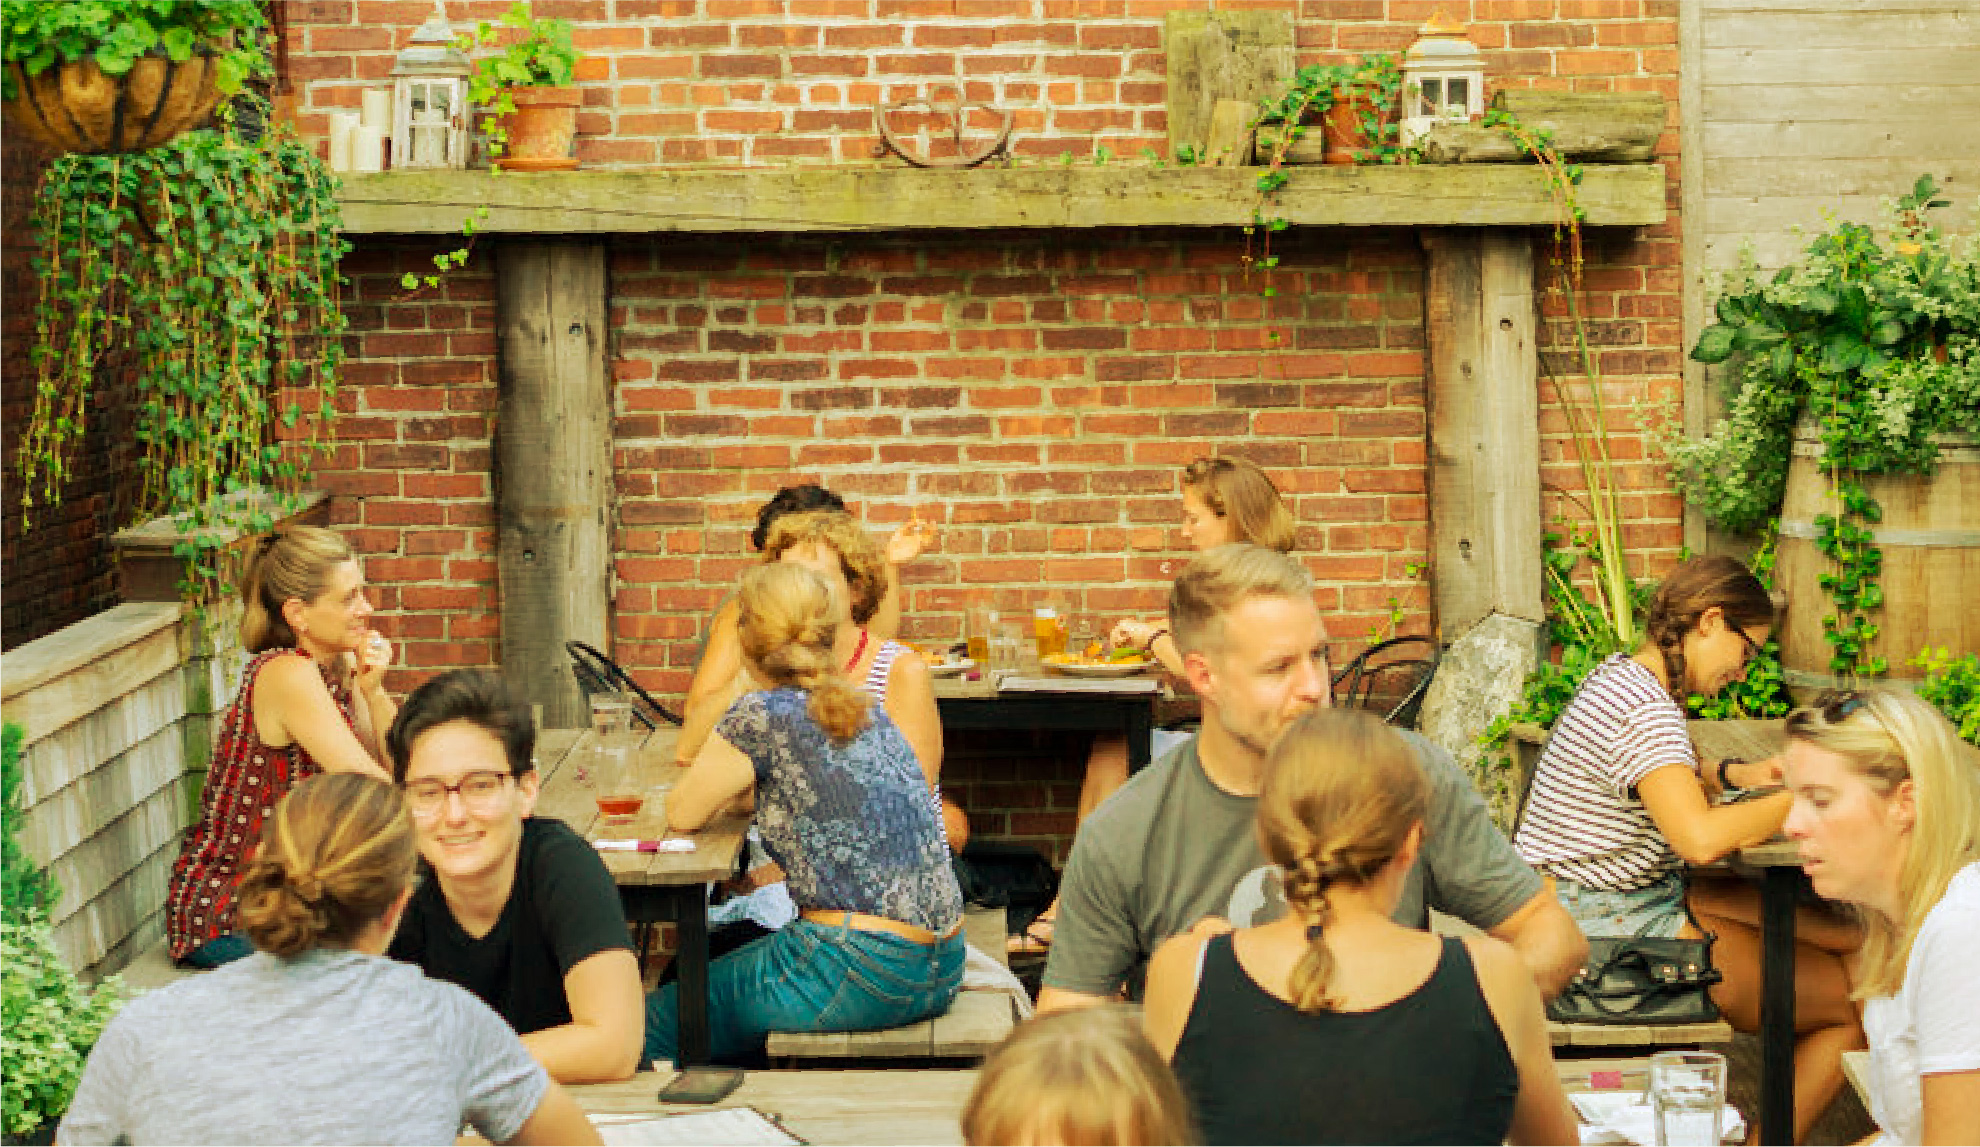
x: 899, y: 199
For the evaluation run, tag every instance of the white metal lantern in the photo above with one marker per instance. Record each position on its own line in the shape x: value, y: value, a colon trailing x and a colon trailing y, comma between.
x: 429, y: 98
x: 1443, y: 79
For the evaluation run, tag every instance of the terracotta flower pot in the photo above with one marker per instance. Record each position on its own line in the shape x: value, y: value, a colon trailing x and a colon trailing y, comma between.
x: 1341, y: 129
x: 541, y: 130
x: 75, y: 107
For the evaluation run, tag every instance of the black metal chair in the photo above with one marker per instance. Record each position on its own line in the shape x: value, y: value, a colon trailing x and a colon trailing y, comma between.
x: 597, y: 673
x: 1390, y: 678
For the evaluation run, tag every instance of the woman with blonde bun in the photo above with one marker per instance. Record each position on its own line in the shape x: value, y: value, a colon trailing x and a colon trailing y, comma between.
x: 1083, y: 1076
x: 1317, y: 1028
x: 312, y: 699
x: 317, y: 1037
x: 847, y: 809
x: 1887, y: 814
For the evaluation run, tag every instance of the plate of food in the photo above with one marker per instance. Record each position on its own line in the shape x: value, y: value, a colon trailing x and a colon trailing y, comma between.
x: 948, y: 664
x: 1124, y: 662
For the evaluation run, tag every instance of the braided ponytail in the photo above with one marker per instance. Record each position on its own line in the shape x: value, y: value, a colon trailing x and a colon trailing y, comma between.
x: 1342, y: 791
x: 1711, y: 581
x: 335, y: 854
x: 789, y: 617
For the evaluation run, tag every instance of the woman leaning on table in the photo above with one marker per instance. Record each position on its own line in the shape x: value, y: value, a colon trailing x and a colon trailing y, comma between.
x: 311, y: 700
x: 846, y: 804
x: 1621, y: 804
x: 1887, y: 814
x: 317, y: 1037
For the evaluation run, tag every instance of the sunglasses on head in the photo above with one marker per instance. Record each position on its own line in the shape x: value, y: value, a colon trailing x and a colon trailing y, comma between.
x: 1837, y: 705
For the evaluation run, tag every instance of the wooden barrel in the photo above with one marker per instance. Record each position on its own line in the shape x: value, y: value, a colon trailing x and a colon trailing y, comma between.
x: 1930, y: 538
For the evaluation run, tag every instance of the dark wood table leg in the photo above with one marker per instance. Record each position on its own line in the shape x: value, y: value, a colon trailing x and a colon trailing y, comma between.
x: 1777, y: 1005
x: 1140, y: 730
x: 691, y: 926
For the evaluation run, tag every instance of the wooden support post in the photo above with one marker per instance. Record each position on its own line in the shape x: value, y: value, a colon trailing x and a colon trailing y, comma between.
x: 1484, y: 427
x: 553, y: 467
x: 1215, y: 56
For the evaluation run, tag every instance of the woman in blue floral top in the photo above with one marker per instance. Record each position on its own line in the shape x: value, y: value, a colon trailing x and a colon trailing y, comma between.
x: 844, y: 806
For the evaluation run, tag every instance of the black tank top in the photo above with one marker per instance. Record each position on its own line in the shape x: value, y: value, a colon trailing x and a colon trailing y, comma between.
x: 1430, y: 1067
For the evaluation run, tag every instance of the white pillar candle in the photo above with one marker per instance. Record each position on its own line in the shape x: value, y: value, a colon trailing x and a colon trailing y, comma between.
x: 342, y: 126
x: 378, y: 109
x: 367, y: 149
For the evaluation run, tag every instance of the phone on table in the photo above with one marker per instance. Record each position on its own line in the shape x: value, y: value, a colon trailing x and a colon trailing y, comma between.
x: 702, y: 1085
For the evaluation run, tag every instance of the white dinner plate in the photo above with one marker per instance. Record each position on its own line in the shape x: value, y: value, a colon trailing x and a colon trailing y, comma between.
x: 950, y: 668
x: 1116, y: 669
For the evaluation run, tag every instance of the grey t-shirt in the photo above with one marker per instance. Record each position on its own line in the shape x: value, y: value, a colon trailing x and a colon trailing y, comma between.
x: 1170, y: 848
x: 331, y: 1047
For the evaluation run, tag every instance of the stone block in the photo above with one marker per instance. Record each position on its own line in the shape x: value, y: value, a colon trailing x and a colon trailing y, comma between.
x: 1480, y: 678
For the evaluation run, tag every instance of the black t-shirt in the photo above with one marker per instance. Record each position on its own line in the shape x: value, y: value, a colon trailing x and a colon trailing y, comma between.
x: 562, y: 910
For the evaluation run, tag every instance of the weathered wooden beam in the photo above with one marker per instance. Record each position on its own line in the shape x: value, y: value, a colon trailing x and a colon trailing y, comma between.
x: 1213, y: 56
x: 1591, y: 127
x: 1484, y: 427
x: 553, y: 457
x: 900, y: 199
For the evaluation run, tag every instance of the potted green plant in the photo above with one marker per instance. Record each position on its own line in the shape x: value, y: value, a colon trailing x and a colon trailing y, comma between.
x: 214, y: 260
x: 48, y: 1020
x: 526, y: 91
x: 1854, y: 406
x: 96, y: 76
x: 1354, y: 105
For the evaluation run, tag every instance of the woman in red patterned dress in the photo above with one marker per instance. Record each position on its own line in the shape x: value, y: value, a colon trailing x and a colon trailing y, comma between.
x: 312, y: 700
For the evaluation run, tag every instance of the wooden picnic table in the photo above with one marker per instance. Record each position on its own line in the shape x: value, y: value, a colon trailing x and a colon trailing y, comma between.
x: 980, y: 704
x: 655, y: 887
x: 824, y: 1107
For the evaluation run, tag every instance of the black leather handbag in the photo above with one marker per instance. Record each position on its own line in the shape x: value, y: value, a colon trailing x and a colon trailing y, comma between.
x: 1641, y: 980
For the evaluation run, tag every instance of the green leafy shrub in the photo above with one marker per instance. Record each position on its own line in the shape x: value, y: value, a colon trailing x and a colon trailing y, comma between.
x: 48, y: 1024
x: 48, y: 1021
x: 1953, y: 685
x: 24, y: 885
x: 41, y: 34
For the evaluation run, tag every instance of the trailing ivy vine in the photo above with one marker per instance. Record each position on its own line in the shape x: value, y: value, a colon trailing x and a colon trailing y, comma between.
x: 1878, y: 344
x: 214, y: 259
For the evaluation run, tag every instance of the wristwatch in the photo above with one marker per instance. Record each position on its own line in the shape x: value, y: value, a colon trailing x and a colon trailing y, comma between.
x: 1725, y: 784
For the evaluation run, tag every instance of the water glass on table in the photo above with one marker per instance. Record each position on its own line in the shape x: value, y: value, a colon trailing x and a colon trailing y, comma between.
x: 611, y: 717
x: 1687, y: 1095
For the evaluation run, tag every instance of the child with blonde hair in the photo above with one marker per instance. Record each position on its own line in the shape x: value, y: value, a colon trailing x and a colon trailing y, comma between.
x: 1087, y: 1076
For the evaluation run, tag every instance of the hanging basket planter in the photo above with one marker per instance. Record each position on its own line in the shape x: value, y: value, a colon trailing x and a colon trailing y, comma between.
x: 542, y: 129
x: 74, y: 107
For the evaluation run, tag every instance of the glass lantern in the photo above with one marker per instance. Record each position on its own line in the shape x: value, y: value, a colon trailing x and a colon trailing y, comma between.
x: 429, y: 98
x: 1443, y: 79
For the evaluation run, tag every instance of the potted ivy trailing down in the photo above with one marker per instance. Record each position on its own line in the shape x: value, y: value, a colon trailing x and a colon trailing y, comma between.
x: 213, y: 259
x: 98, y: 76
x: 1353, y: 104
x: 526, y: 92
x: 49, y: 1021
x: 1855, y: 421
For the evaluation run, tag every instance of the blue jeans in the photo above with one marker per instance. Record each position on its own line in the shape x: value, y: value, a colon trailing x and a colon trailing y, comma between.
x: 811, y: 977
x: 219, y: 950
x: 1657, y: 909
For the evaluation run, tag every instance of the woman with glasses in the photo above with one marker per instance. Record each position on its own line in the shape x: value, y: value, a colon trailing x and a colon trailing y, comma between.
x: 1620, y: 804
x: 312, y: 699
x: 515, y: 908
x: 316, y: 1038
x: 1887, y: 814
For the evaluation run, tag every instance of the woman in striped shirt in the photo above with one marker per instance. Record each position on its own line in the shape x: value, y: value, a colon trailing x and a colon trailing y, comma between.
x: 1621, y: 804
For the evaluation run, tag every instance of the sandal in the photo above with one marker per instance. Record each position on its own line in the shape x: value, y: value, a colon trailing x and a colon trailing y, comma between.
x: 1035, y: 940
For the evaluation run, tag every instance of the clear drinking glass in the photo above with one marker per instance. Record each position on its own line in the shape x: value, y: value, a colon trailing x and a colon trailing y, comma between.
x: 611, y: 717
x: 1687, y: 1094
x: 615, y: 781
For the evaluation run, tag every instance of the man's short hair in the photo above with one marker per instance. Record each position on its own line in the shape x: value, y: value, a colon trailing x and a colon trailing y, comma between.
x: 1222, y: 579
x: 478, y: 696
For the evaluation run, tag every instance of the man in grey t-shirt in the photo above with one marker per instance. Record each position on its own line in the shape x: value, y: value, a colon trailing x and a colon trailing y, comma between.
x: 1179, y: 842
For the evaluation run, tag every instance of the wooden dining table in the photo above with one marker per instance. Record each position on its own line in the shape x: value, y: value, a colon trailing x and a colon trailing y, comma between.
x: 655, y: 887
x: 1054, y: 703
